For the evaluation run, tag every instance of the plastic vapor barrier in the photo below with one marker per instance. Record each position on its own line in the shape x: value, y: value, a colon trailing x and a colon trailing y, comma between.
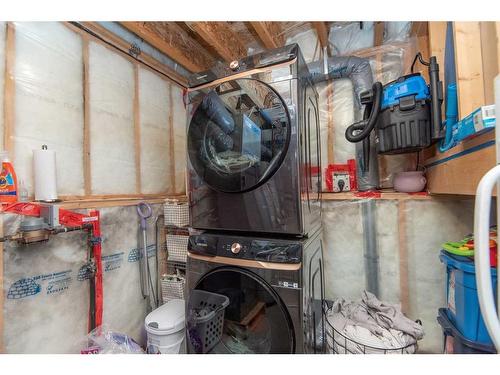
x: 111, y: 79
x: 348, y: 37
x: 46, y: 284
x: 404, y: 233
x: 2, y: 76
x: 154, y: 122
x: 387, y: 62
x: 48, y: 75
x: 308, y: 43
x: 180, y: 142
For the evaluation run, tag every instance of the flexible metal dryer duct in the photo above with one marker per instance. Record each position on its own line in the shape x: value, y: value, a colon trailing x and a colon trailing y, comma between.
x: 359, y: 71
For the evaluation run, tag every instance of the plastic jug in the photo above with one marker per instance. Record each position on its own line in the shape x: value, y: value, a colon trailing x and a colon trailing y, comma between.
x: 8, y: 180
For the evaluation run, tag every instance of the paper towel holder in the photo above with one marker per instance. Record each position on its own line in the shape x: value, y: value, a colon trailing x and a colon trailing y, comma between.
x: 52, y: 200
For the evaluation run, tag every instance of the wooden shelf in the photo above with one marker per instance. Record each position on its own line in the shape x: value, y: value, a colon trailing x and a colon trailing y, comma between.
x: 383, y: 194
x: 459, y: 170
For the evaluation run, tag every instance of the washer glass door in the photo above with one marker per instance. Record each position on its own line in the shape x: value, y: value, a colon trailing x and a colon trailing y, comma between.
x: 255, y: 321
x: 238, y: 135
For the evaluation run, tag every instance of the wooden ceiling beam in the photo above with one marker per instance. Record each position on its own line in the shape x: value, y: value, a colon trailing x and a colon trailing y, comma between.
x: 322, y: 31
x: 379, y: 33
x: 269, y: 33
x: 221, y: 37
x: 173, y: 41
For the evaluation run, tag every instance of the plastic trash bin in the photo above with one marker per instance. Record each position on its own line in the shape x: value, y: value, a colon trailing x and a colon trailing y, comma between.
x: 165, y: 327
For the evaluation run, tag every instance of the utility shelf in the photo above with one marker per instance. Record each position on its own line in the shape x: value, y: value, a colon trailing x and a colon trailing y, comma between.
x: 459, y: 170
x: 381, y: 194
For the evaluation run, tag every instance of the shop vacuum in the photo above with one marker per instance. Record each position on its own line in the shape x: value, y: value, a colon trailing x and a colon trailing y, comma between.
x: 405, y: 115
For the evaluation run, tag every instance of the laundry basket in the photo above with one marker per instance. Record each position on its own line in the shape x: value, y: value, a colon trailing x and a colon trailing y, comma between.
x: 176, y: 213
x: 205, y: 319
x: 177, y: 244
x: 338, y: 343
x: 172, y: 287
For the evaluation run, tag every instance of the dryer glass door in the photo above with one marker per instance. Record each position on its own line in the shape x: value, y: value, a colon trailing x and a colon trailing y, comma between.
x: 255, y: 321
x: 238, y: 135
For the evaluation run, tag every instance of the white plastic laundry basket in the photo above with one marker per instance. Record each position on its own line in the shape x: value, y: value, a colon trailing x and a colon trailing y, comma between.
x: 165, y: 327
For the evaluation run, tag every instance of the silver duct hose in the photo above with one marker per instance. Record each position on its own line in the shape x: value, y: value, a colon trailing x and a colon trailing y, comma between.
x: 359, y: 71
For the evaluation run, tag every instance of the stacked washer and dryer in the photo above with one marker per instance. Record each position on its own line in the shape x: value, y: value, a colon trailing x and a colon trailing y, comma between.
x: 254, y: 186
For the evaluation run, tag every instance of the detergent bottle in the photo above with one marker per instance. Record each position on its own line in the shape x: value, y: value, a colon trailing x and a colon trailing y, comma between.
x: 8, y: 180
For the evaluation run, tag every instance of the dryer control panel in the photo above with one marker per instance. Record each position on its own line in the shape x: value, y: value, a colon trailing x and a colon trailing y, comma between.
x: 261, y: 249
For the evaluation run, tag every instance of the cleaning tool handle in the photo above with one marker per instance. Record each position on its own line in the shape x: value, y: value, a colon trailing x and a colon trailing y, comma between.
x: 436, y: 88
x: 451, y: 117
x: 144, y: 211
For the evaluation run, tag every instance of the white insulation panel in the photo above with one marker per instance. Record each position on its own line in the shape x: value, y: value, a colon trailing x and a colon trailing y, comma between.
x: 429, y: 223
x: 3, y: 26
x: 180, y: 131
x: 49, y: 101
x: 154, y: 123
x: 112, y: 149
x: 47, y: 295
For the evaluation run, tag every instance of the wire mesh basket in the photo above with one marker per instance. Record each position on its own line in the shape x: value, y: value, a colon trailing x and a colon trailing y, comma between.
x: 338, y: 343
x: 176, y: 213
x: 172, y: 287
x: 177, y: 247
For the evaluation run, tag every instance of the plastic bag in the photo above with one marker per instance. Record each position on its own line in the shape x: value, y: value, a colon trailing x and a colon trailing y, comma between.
x: 102, y: 340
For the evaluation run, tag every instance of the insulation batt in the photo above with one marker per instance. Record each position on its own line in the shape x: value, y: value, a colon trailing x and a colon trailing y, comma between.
x: 155, y: 136
x: 48, y: 80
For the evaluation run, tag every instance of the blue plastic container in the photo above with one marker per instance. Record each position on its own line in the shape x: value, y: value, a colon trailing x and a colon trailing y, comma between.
x: 460, y: 345
x: 461, y: 295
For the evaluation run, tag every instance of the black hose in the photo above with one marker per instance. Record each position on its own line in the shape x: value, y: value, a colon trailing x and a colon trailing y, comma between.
x: 365, y: 126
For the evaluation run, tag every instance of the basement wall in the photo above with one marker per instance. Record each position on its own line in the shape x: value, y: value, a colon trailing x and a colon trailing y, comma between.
x: 45, y: 292
x: 428, y: 223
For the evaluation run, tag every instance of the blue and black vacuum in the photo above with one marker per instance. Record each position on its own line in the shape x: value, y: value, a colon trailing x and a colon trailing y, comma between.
x: 405, y: 113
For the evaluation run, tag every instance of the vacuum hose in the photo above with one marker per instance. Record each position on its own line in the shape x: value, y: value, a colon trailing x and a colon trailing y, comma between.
x: 362, y: 129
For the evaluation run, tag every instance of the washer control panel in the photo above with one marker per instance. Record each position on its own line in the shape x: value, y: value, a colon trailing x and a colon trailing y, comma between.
x: 265, y: 250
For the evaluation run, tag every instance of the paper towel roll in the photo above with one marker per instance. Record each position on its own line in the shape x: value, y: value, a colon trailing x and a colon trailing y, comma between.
x: 44, y: 167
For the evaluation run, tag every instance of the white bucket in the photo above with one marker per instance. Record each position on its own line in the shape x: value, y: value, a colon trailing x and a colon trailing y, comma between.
x: 170, y: 349
x: 165, y: 327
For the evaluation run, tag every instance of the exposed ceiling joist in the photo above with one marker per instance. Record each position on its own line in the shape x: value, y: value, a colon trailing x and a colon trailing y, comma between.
x: 419, y: 28
x: 269, y: 33
x: 322, y: 31
x: 173, y: 41
x: 221, y: 37
x: 379, y: 34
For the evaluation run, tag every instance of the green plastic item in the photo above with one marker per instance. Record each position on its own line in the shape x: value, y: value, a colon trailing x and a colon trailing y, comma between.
x: 456, y: 248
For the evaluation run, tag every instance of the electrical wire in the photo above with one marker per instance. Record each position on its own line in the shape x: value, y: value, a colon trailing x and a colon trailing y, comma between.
x: 95, y: 35
x: 421, y: 59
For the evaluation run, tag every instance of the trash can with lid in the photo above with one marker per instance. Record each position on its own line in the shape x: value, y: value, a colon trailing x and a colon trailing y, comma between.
x: 165, y: 328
